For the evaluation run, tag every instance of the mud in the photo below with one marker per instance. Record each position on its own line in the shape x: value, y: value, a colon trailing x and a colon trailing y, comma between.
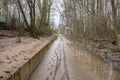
x: 107, y: 51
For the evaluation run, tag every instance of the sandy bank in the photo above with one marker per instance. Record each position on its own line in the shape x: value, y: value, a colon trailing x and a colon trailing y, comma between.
x: 13, y: 55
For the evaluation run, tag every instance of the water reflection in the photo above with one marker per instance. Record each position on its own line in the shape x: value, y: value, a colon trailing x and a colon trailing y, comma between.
x: 95, y: 64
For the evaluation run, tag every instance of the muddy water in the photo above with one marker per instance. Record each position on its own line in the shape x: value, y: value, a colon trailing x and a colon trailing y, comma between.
x: 66, y: 61
x: 52, y: 67
x: 95, y: 64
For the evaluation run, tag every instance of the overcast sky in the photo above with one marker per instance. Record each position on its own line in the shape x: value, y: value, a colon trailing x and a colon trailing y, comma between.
x: 56, y: 13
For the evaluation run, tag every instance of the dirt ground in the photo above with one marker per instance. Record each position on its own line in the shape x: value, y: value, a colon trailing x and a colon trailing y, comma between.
x: 13, y: 54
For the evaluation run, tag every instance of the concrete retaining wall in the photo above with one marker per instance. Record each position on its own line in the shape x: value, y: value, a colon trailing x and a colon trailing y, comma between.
x: 24, y: 72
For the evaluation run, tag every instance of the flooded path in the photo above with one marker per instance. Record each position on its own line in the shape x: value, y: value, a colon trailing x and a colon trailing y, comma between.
x: 66, y: 61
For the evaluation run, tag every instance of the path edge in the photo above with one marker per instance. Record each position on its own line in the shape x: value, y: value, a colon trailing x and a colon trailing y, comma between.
x: 24, y: 72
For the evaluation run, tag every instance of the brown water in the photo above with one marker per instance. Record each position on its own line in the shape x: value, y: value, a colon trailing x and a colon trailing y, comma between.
x: 66, y: 61
x: 95, y: 64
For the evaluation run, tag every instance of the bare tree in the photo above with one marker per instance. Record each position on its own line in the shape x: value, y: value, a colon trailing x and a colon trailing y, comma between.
x: 90, y: 18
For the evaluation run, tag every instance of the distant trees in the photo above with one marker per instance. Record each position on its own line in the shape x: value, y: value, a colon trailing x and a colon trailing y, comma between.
x: 43, y: 6
x: 45, y: 11
x: 31, y: 5
x: 35, y: 14
x: 82, y: 18
x: 92, y: 18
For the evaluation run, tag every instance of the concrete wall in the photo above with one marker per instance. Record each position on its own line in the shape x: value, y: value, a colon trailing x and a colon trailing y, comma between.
x: 24, y: 72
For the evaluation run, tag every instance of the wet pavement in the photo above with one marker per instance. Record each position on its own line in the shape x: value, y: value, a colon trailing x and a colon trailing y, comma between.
x: 66, y: 61
x: 53, y: 66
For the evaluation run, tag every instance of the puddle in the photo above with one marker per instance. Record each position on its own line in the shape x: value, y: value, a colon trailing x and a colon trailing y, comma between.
x: 95, y: 64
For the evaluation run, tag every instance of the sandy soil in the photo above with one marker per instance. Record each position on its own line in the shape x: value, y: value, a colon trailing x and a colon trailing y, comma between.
x: 13, y: 54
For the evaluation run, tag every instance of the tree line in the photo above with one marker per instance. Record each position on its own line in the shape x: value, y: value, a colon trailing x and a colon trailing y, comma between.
x: 33, y: 15
x: 91, y: 19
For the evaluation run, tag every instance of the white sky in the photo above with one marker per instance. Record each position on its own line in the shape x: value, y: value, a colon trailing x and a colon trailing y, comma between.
x: 57, y: 4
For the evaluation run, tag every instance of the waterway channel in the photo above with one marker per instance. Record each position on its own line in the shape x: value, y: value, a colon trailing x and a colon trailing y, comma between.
x: 66, y: 61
